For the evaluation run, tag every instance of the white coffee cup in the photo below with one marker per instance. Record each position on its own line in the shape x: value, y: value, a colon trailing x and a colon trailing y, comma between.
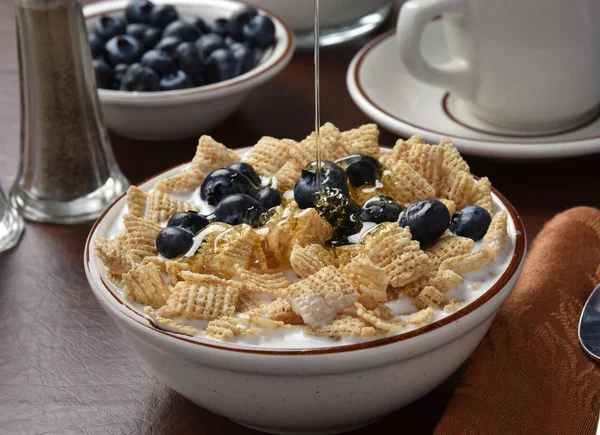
x: 524, y: 65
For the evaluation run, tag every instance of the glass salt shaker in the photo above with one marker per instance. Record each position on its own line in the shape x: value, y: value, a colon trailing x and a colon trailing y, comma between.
x: 11, y: 224
x: 67, y: 171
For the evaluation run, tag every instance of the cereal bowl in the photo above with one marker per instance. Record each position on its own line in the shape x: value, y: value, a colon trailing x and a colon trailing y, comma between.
x: 185, y: 113
x: 329, y: 389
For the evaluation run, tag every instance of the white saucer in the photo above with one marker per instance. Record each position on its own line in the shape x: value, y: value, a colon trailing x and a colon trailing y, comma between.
x: 383, y: 89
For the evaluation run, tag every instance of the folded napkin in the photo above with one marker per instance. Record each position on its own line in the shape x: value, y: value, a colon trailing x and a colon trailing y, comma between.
x: 530, y: 375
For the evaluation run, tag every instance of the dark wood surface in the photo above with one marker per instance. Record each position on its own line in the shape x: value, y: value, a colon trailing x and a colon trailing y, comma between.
x: 64, y: 366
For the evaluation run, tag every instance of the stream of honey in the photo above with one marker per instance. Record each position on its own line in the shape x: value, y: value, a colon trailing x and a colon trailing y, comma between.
x: 317, y: 95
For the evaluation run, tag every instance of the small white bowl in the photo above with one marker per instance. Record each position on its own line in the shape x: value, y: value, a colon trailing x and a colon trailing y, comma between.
x: 318, y: 390
x: 180, y: 114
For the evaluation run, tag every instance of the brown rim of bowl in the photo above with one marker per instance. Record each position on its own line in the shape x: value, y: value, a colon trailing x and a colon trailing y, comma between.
x: 391, y: 33
x: 506, y: 276
x: 253, y: 73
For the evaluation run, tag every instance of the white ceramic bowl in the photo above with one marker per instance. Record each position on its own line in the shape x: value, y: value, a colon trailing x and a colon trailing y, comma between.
x: 190, y: 112
x: 324, y: 390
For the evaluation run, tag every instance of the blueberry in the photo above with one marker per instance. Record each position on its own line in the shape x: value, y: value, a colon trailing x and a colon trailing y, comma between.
x: 220, y: 26
x: 427, y: 219
x: 176, y: 81
x: 174, y: 241
x: 109, y: 26
x: 238, y: 20
x: 244, y: 57
x: 190, y: 61
x: 168, y: 45
x: 219, y: 66
x: 332, y: 176
x: 139, y: 78
x: 137, y: 30
x: 268, y: 197
x: 239, y: 209
x: 105, y: 77
x: 182, y: 30
x: 96, y: 45
x: 229, y: 41
x: 163, y: 15
x: 361, y: 169
x: 198, y: 23
x: 152, y: 36
x: 120, y: 71
x: 380, y: 208
x: 472, y: 222
x: 247, y: 171
x: 160, y: 62
x: 259, y: 31
x: 188, y: 220
x: 223, y: 182
x: 209, y: 43
x: 123, y: 49
x: 138, y: 11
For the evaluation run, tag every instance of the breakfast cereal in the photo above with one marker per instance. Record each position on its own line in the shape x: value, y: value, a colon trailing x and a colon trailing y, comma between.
x: 295, y: 276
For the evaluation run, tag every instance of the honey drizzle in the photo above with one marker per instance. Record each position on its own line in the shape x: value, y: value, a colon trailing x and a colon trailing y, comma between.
x: 317, y: 94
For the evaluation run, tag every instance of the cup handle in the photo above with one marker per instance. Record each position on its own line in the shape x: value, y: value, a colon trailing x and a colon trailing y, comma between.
x: 456, y: 75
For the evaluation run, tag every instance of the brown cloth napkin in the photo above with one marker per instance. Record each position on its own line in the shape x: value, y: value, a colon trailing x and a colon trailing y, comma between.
x: 530, y: 375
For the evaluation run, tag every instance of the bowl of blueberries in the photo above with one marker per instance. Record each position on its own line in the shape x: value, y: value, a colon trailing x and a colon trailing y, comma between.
x: 172, y: 69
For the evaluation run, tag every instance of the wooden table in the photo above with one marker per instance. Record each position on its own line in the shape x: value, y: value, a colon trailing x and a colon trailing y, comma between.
x: 64, y: 366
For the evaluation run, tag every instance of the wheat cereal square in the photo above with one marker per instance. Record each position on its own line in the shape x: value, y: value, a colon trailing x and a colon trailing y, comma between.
x: 226, y: 327
x: 248, y: 303
x: 369, y: 280
x: 174, y: 269
x: 269, y: 155
x: 406, y: 185
x: 445, y: 280
x: 170, y: 324
x: 233, y: 248
x: 184, y: 182
x: 491, y: 246
x: 146, y: 286
x: 429, y: 297
x: 318, y: 298
x: 136, y: 201
x: 452, y: 158
x: 308, y: 260
x: 343, y: 326
x: 380, y: 317
x: 401, y: 258
x: 139, y: 237
x: 295, y: 227
x: 420, y: 317
x: 448, y: 246
x: 286, y: 176
x: 270, y: 282
x: 161, y: 206
x: 363, y: 140
x: 211, y: 155
x: 481, y: 194
x: 452, y: 305
x: 201, y: 297
x: 160, y: 262
x: 281, y: 310
x: 116, y: 261
x: 458, y: 187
